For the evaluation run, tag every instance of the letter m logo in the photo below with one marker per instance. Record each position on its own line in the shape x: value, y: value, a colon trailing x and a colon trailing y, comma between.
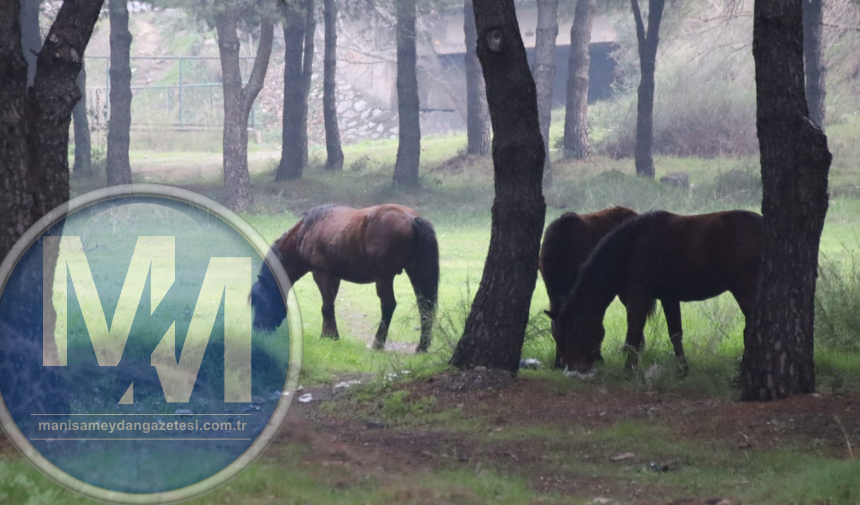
x: 227, y: 277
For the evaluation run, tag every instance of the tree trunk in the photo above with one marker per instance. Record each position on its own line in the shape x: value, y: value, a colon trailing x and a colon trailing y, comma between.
x: 496, y: 325
x: 816, y: 71
x: 795, y: 161
x: 544, y: 72
x: 15, y: 198
x: 408, y: 106
x: 237, y: 105
x: 83, y: 146
x: 31, y: 35
x: 307, y: 73
x: 118, y: 167
x: 294, y: 133
x: 648, y: 41
x: 34, y: 171
x: 477, y: 114
x: 576, y: 113
x: 334, y: 152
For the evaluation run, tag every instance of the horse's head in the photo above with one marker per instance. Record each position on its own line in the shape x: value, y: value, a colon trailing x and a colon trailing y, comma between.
x: 269, y: 308
x: 578, y: 333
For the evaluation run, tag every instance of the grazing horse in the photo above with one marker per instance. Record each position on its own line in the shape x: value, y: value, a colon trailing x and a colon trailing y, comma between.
x: 363, y: 246
x: 659, y: 256
x: 567, y: 243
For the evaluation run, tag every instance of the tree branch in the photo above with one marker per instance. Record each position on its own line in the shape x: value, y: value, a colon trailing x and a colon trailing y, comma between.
x: 640, y: 26
x: 261, y: 64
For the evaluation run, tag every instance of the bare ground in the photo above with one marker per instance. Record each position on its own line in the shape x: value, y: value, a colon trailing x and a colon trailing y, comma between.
x: 490, y: 404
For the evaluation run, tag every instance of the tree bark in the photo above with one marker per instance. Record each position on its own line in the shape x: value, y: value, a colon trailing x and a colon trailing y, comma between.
x: 118, y: 166
x: 544, y: 72
x: 648, y: 39
x: 34, y: 171
x: 31, y: 35
x: 496, y: 325
x: 477, y: 114
x: 408, y: 105
x: 294, y: 142
x: 816, y: 71
x: 334, y: 151
x: 576, y: 113
x: 83, y: 145
x: 51, y: 100
x: 237, y: 104
x: 795, y: 161
x: 15, y: 198
x: 307, y: 73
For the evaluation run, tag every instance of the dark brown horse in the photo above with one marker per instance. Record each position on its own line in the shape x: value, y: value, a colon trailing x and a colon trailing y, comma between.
x: 567, y: 243
x: 363, y: 246
x: 659, y: 256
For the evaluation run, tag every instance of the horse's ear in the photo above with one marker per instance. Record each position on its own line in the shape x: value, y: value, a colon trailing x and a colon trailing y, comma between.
x: 550, y: 314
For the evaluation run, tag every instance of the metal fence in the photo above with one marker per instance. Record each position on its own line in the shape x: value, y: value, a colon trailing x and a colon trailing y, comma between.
x: 185, y: 104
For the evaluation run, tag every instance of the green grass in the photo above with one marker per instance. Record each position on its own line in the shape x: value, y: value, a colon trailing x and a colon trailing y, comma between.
x: 458, y: 203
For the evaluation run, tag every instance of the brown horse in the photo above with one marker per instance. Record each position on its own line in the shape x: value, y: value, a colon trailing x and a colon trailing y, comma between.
x: 567, y: 243
x: 659, y: 256
x: 363, y: 246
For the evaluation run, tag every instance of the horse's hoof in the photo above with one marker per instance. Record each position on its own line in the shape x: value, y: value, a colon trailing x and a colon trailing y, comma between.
x: 379, y: 346
x: 419, y: 350
x: 583, y: 376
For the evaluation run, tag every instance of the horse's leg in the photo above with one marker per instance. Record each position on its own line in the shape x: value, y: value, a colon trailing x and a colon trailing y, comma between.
x: 672, y: 310
x: 328, y: 286
x: 637, y: 316
x: 622, y: 297
x: 746, y: 301
x: 385, y: 292
x: 426, y: 312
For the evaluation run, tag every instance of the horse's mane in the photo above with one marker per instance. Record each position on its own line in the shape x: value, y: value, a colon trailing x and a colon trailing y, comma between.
x: 606, y: 268
x: 312, y: 216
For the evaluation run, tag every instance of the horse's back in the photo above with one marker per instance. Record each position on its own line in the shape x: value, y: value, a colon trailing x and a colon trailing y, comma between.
x: 568, y: 242
x: 361, y: 245
x: 696, y: 257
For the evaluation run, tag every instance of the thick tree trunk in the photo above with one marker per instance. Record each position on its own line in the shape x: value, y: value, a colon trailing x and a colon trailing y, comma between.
x: 51, y: 100
x: 34, y: 171
x: 408, y: 106
x: 83, y: 146
x: 576, y: 113
x: 816, y: 71
x: 544, y: 72
x: 15, y: 198
x: 334, y: 152
x: 237, y: 105
x: 118, y: 167
x: 294, y: 132
x: 477, y: 114
x: 31, y: 35
x: 496, y: 325
x: 648, y: 39
x: 795, y: 161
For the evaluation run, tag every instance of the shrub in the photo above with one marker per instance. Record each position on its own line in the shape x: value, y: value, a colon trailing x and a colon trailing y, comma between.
x: 837, y: 298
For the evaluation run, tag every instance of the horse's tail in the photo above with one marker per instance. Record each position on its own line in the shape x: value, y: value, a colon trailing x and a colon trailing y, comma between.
x: 424, y: 271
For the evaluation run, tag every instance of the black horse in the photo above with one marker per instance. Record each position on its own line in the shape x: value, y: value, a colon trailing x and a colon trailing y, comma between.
x: 363, y: 246
x: 659, y: 256
x: 567, y: 243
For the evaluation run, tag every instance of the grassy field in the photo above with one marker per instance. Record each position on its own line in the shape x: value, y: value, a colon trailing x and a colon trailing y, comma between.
x: 541, y: 438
